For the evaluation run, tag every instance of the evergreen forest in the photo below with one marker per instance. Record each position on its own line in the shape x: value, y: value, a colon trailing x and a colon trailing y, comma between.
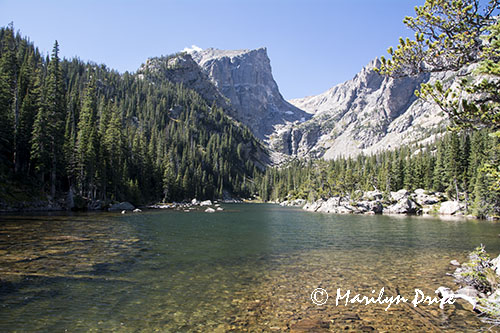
x: 66, y: 125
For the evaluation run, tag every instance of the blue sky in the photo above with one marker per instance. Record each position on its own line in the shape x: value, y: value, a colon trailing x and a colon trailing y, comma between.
x: 312, y: 44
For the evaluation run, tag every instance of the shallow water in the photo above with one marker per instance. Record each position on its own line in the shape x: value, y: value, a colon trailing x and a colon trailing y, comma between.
x: 248, y: 268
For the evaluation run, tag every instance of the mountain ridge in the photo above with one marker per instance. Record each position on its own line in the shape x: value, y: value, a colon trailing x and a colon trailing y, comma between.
x: 366, y: 114
x: 245, y: 78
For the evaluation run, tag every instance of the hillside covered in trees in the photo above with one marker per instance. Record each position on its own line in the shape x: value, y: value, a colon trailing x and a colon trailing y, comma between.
x: 66, y: 125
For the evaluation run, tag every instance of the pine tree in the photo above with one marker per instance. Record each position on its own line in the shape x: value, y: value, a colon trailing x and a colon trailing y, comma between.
x: 113, y: 145
x: 86, y: 140
x: 452, y: 164
x: 8, y: 78
x: 55, y: 104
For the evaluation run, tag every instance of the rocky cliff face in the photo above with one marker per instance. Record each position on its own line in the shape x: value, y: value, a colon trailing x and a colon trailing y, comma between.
x: 364, y: 115
x: 181, y: 68
x: 245, y: 78
x: 367, y: 114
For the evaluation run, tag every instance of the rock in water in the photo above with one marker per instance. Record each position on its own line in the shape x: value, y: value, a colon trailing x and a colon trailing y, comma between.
x: 209, y: 210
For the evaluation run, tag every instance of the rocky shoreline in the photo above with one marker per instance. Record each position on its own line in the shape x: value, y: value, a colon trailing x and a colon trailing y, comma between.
x: 402, y: 202
x: 479, y: 285
x: 79, y: 204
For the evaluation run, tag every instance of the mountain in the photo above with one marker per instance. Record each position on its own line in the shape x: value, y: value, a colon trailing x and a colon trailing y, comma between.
x: 83, y: 135
x: 182, y: 69
x: 245, y: 78
x: 367, y: 114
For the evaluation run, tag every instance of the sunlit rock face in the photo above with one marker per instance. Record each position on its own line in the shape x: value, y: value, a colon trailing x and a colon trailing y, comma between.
x: 245, y: 78
x: 367, y: 114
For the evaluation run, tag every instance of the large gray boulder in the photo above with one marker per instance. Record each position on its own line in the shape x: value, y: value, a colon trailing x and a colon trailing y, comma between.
x: 121, y: 206
x: 401, y: 194
x: 373, y: 195
x: 313, y: 206
x: 403, y: 206
x: 496, y: 265
x: 329, y: 206
x: 450, y: 208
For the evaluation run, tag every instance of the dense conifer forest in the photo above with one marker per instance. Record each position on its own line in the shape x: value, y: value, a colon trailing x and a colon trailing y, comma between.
x: 69, y: 125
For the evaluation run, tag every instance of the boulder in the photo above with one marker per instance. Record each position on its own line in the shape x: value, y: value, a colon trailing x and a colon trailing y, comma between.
x: 95, y: 205
x: 403, y: 206
x: 363, y: 207
x: 206, y: 203
x: 329, y: 206
x: 376, y: 207
x: 422, y: 198
x: 369, y: 207
x: 195, y: 202
x: 209, y: 210
x: 373, y: 195
x: 220, y: 208
x: 137, y: 210
x: 455, y: 263
x: 450, y: 208
x: 468, y: 291
x: 401, y: 194
x: 496, y: 264
x: 121, y: 206
x: 313, y: 206
x: 419, y: 191
x: 298, y: 202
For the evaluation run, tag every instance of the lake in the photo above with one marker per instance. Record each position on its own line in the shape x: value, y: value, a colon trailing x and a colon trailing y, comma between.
x: 251, y: 267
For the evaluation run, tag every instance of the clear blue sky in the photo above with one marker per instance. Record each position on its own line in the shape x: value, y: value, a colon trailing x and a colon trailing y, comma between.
x: 312, y: 44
